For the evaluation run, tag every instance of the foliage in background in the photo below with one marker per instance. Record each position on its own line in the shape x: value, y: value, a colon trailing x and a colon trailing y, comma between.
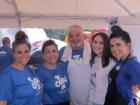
x: 56, y: 33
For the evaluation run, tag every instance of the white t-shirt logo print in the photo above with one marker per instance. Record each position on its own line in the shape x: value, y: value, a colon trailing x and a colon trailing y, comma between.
x: 35, y: 83
x: 77, y: 57
x: 60, y: 81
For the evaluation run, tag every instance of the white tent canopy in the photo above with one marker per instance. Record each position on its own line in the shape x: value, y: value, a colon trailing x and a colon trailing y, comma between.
x: 62, y: 13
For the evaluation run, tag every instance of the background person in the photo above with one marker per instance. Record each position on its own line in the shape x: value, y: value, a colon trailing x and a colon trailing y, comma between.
x: 6, y: 57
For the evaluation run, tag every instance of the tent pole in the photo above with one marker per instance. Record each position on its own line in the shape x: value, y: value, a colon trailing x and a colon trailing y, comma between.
x: 17, y: 12
x: 125, y: 8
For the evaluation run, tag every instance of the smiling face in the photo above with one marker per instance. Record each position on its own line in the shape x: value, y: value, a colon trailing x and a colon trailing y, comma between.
x: 50, y: 55
x: 97, y: 45
x: 21, y: 54
x: 75, y: 37
x: 119, y: 48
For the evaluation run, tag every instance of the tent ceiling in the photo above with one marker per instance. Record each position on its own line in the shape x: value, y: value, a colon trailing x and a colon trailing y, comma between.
x: 62, y: 13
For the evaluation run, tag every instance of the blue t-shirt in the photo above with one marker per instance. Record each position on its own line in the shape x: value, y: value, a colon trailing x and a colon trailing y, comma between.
x: 6, y: 58
x: 55, y: 84
x: 129, y: 75
x: 76, y: 54
x: 20, y: 87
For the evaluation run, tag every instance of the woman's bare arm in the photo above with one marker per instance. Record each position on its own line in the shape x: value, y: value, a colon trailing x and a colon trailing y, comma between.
x: 3, y: 102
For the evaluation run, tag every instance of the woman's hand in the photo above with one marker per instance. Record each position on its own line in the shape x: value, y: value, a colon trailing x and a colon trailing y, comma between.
x: 3, y: 102
x: 136, y: 91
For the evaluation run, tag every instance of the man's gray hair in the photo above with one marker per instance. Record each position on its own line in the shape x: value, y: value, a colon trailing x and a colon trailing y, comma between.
x: 74, y: 27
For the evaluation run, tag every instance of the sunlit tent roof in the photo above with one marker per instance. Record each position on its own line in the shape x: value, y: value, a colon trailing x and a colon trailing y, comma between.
x: 62, y: 13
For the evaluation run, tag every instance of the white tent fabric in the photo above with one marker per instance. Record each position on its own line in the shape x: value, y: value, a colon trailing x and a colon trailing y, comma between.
x: 62, y: 13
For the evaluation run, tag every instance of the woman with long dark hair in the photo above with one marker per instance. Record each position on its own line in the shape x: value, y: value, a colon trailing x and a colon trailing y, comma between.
x: 103, y: 63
